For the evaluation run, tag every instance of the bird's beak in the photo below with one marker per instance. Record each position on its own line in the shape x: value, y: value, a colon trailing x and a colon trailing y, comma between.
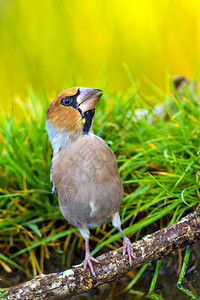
x: 88, y: 98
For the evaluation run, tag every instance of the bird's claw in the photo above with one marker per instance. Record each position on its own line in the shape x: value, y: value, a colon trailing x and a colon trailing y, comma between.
x: 88, y: 261
x: 127, y: 248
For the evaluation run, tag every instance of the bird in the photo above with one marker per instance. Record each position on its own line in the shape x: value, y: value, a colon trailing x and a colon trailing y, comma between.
x: 83, y: 172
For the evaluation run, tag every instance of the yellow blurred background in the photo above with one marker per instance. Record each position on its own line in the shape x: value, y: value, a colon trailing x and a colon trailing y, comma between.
x: 54, y: 44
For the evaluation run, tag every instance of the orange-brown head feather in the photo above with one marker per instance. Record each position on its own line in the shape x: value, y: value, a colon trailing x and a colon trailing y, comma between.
x: 62, y: 117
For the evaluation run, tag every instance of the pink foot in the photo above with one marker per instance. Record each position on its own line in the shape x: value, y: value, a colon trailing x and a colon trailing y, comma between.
x: 127, y: 248
x: 88, y: 261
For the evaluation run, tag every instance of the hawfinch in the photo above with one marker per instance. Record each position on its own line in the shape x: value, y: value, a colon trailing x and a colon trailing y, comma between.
x: 84, y: 171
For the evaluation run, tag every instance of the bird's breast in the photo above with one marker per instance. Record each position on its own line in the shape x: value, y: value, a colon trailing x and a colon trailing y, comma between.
x: 87, y: 181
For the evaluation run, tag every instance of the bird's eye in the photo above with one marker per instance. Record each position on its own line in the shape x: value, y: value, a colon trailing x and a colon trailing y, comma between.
x: 65, y: 101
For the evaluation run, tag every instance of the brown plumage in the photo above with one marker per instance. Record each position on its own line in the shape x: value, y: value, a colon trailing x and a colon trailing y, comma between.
x: 87, y: 182
x: 84, y: 171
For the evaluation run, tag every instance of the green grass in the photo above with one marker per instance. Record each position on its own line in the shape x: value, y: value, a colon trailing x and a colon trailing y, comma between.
x: 158, y: 163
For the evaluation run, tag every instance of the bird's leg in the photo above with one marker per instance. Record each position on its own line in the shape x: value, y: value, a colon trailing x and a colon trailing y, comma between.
x: 88, y: 257
x: 127, y: 247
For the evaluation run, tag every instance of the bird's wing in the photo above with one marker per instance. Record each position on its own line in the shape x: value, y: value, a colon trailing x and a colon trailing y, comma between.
x: 51, y: 180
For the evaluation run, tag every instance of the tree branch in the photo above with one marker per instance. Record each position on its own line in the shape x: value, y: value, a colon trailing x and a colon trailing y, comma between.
x: 112, y: 264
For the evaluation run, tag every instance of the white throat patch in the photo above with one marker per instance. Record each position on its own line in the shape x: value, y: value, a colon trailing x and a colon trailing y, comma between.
x: 57, y: 138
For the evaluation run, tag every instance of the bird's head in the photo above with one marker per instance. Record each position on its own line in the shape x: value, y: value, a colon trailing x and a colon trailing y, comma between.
x: 71, y: 114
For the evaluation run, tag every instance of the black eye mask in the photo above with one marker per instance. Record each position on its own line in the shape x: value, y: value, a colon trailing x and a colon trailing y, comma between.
x: 70, y: 100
